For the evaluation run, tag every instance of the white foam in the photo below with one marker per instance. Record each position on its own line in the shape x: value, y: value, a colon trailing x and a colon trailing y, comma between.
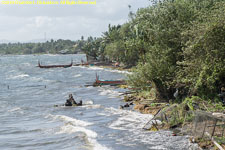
x: 93, y: 106
x: 105, y: 69
x: 95, y: 68
x: 109, y: 92
x: 77, y: 75
x: 16, y: 109
x: 133, y: 122
x: 90, y: 105
x: 118, y: 71
x: 70, y: 120
x: 79, y: 67
x: 18, y: 76
x: 128, y: 120
x: 103, y: 114
x: 91, y: 68
x: 98, y: 146
x: 69, y: 129
x: 90, y: 102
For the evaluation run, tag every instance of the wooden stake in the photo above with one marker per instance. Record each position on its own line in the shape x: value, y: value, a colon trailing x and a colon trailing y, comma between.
x: 214, y: 128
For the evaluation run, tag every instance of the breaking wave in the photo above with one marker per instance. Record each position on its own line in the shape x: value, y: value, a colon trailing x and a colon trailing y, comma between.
x: 70, y: 120
x: 109, y: 92
x: 73, y: 125
x: 118, y: 71
x: 129, y: 120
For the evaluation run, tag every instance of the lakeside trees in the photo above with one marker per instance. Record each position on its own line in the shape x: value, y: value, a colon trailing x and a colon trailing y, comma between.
x: 185, y: 48
x: 173, y: 44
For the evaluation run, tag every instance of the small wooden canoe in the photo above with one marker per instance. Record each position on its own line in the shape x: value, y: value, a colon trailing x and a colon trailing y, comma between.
x: 108, y: 82
x: 55, y: 66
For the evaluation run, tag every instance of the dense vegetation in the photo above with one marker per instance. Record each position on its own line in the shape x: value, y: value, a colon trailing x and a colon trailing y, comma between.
x: 172, y: 44
x: 185, y: 47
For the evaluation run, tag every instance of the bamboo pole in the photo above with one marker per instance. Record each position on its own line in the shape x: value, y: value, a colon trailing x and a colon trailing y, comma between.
x: 214, y: 127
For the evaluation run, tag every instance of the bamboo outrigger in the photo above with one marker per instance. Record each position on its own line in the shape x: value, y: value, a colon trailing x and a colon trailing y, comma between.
x: 55, y: 66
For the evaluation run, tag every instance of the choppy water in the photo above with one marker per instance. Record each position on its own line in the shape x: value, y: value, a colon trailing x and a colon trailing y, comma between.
x: 30, y: 122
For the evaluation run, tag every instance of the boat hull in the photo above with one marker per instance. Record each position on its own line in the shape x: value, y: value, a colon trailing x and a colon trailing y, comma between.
x: 55, y: 66
x: 100, y: 82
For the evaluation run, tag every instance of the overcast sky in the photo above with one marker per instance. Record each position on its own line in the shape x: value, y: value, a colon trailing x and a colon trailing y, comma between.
x: 28, y: 22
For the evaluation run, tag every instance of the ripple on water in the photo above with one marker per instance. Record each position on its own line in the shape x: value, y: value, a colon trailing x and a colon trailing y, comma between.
x: 20, y: 76
x: 17, y: 110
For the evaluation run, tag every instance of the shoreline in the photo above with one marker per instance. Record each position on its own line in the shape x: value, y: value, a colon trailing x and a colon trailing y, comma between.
x: 161, y: 109
x: 155, y: 107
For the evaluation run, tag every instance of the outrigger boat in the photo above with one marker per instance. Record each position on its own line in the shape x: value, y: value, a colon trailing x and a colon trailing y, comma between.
x: 108, y: 82
x: 55, y: 66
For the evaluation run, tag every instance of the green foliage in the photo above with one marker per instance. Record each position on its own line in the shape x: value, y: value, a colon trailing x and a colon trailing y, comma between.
x: 121, y: 45
x: 195, y: 102
x: 92, y: 47
x: 39, y: 48
x: 161, y: 27
x: 220, y: 140
x: 191, y: 101
x: 185, y: 47
x: 204, y: 55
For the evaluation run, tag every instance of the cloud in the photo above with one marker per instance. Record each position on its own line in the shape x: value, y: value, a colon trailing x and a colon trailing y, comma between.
x: 27, y: 22
x: 41, y: 21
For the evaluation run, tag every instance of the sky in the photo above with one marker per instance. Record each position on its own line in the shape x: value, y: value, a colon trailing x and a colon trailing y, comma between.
x: 29, y: 22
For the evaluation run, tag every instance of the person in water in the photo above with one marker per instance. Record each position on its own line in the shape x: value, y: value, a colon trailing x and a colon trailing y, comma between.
x: 72, y: 102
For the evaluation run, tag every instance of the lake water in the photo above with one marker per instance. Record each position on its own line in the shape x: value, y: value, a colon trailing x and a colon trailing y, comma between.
x: 29, y: 120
